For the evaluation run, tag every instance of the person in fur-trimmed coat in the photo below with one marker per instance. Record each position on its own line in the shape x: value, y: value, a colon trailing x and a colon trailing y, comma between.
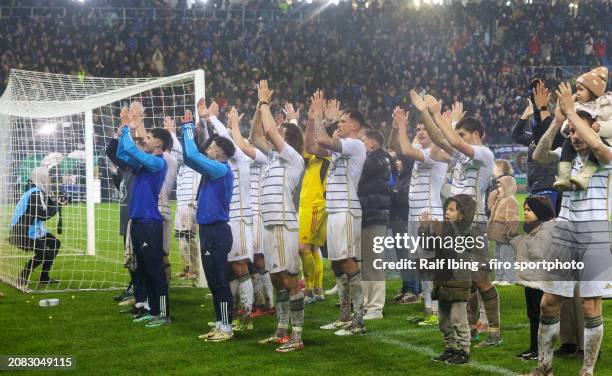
x: 503, y: 225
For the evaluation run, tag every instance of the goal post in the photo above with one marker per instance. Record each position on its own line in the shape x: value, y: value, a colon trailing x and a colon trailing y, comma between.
x: 89, y: 183
x: 65, y: 123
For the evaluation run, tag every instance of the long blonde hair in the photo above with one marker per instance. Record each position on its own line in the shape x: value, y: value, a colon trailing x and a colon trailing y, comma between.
x: 505, y: 166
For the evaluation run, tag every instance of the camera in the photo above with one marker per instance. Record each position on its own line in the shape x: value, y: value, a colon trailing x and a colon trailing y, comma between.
x: 64, y: 198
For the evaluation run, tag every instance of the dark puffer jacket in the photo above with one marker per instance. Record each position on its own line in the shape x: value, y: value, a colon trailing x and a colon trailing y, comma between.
x: 454, y: 284
x: 539, y: 177
x: 399, y: 194
x: 373, y: 190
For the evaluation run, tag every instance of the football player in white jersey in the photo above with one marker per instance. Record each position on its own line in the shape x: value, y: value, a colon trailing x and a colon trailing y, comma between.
x: 283, y: 145
x: 344, y: 210
x: 185, y: 224
x: 472, y: 174
x: 428, y: 176
x: 581, y: 234
x: 262, y: 284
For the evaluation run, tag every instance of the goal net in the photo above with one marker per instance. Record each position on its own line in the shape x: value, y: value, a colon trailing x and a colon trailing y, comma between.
x: 65, y: 123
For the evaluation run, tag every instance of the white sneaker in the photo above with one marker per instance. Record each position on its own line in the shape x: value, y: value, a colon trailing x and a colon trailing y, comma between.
x: 338, y: 324
x: 127, y: 302
x: 332, y: 291
x: 309, y: 300
x: 373, y: 315
x: 350, y: 330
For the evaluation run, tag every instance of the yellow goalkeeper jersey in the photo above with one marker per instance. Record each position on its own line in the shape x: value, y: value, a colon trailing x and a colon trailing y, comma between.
x: 313, y: 184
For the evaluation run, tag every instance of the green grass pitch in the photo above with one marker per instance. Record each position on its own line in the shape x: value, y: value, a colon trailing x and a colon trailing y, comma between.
x: 88, y: 327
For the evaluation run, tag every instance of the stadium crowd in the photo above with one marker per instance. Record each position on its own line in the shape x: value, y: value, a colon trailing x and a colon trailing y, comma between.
x: 368, y: 58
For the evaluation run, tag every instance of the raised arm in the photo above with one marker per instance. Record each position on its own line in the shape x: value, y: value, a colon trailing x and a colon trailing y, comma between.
x: 177, y: 149
x: 310, y: 144
x: 433, y: 131
x: 588, y: 135
x: 321, y: 138
x: 148, y: 161
x: 218, y: 126
x: 292, y: 115
x: 192, y: 156
x: 400, y: 120
x: 269, y: 124
x: 234, y: 127
x: 257, y: 135
x: 111, y: 153
x: 121, y: 154
x: 393, y: 143
x: 541, y: 97
x: 136, y: 116
x: 446, y: 127
x: 520, y: 133
x: 542, y: 153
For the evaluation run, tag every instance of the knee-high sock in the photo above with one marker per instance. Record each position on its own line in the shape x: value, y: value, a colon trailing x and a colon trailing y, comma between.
x: 490, y: 298
x: 434, y: 307
x: 482, y: 316
x: 296, y: 303
x: 473, y: 309
x: 318, y: 271
x: 427, y: 288
x: 167, y: 271
x: 356, y: 297
x: 593, y: 334
x: 245, y: 290
x: 547, y: 335
x: 235, y: 293
x: 184, y: 251
x: 308, y: 268
x: 257, y: 289
x: 193, y: 255
x: 130, y: 287
x: 268, y: 289
x: 282, y: 312
x: 344, y: 295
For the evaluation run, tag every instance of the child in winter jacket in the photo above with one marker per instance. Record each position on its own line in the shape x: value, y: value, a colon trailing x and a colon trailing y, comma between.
x: 451, y: 284
x: 531, y: 247
x: 503, y: 225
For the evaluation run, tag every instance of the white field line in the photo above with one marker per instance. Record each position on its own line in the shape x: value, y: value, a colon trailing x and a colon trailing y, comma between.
x: 384, y: 337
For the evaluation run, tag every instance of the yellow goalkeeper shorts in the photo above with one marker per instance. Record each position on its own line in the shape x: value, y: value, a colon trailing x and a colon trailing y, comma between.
x: 313, y: 225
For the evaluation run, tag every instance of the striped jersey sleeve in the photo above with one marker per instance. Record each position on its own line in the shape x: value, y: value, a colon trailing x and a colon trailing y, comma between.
x: 343, y: 178
x: 471, y: 176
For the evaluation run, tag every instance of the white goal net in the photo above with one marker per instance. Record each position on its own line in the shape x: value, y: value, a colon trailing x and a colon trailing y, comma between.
x: 65, y: 123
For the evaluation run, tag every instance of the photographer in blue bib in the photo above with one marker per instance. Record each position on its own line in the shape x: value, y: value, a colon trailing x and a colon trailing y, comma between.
x: 28, y: 231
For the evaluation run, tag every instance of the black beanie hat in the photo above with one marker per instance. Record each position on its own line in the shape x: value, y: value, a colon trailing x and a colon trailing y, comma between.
x: 541, y: 207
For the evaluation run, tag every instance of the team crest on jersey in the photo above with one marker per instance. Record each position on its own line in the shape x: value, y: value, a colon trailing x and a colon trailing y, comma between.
x: 122, y: 191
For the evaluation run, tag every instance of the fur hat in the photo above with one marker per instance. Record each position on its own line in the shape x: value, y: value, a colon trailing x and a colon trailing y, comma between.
x: 595, y: 81
x: 541, y: 206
